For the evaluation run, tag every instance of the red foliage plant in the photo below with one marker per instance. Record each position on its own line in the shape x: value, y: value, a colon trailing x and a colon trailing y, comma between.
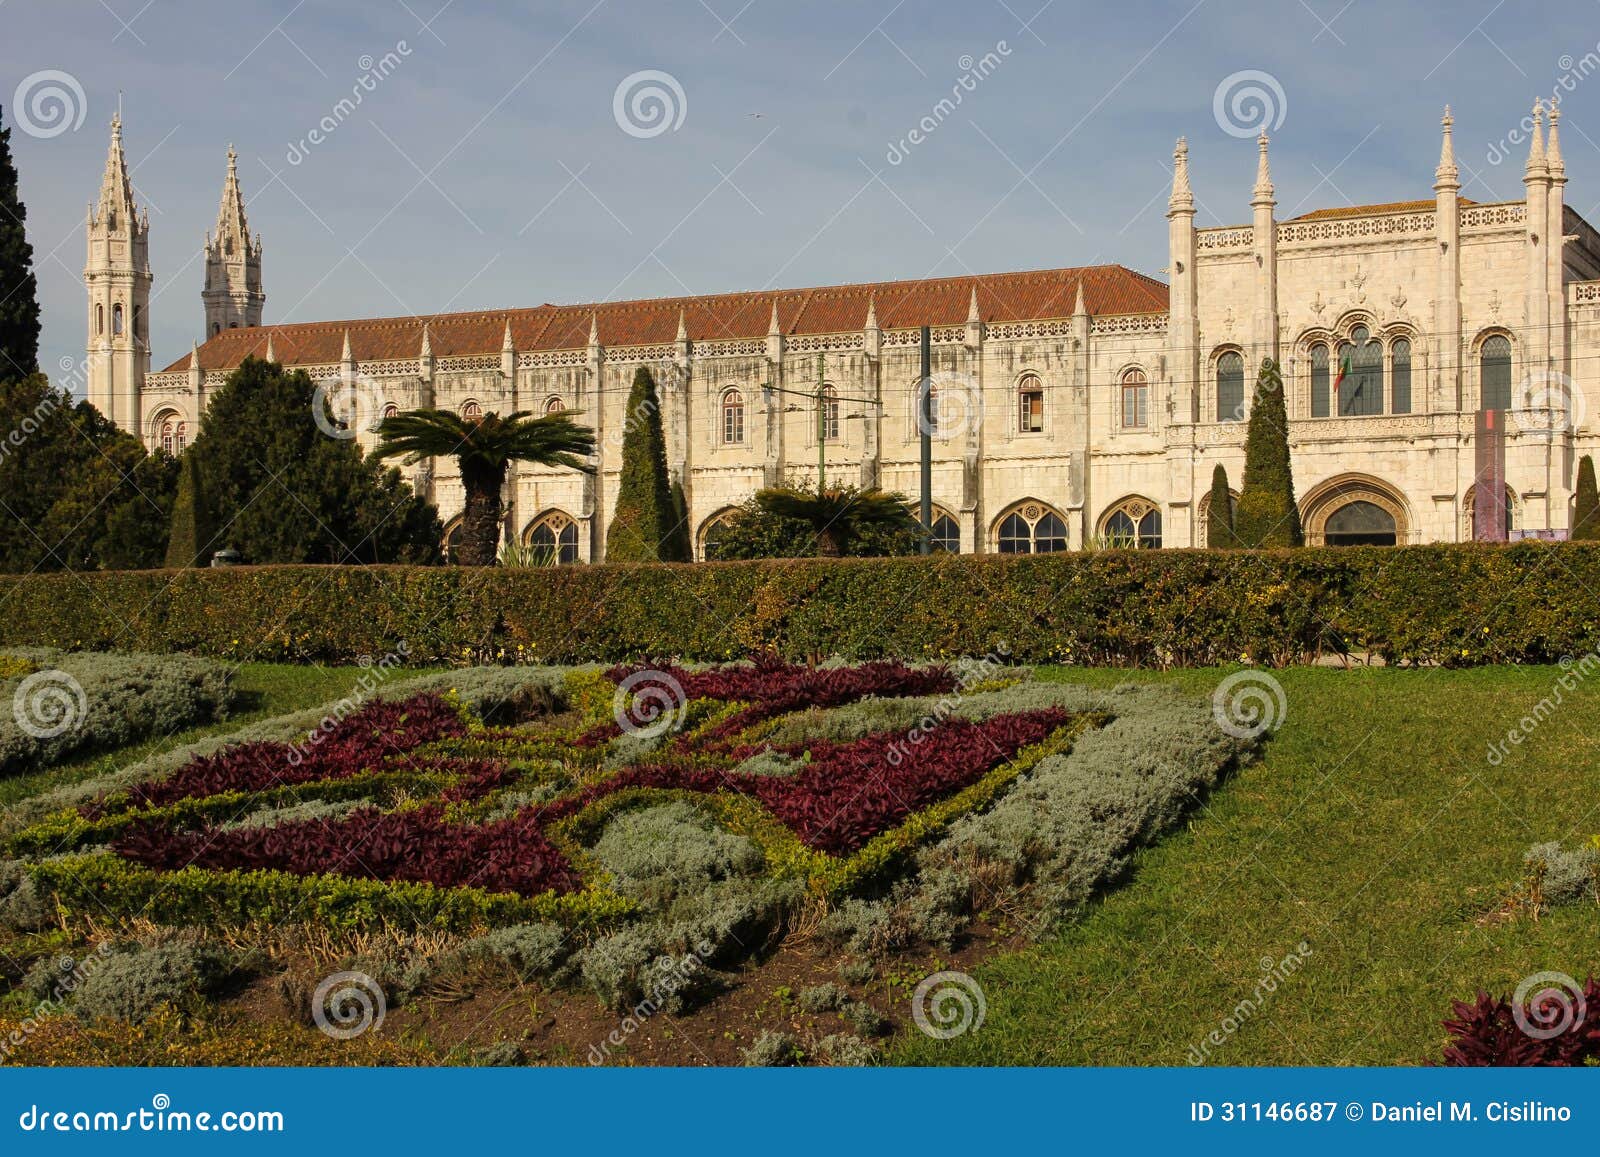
x: 355, y: 744
x: 1487, y: 1032
x: 418, y: 845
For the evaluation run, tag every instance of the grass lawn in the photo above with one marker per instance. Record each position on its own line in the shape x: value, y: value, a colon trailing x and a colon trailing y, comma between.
x: 264, y: 690
x: 1375, y: 830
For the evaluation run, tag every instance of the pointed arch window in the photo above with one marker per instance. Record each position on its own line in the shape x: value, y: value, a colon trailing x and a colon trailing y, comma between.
x: 1032, y: 528
x: 168, y: 432
x: 1400, y: 381
x: 116, y: 319
x: 711, y: 534
x: 945, y: 533
x: 390, y: 410
x: 1030, y: 405
x: 733, y: 418
x: 555, y: 536
x: 1135, y: 400
x: 554, y: 406
x: 472, y: 411
x: 1494, y: 373
x: 1230, y: 387
x: 100, y: 320
x: 1320, y: 382
x: 1134, y: 523
x: 1359, y: 385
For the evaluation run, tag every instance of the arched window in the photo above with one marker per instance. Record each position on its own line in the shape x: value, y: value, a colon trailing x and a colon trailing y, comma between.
x: 1135, y: 400
x: 1030, y: 405
x: 169, y: 429
x: 1134, y: 523
x: 555, y: 536
x: 180, y: 438
x: 733, y: 418
x: 1494, y: 373
x: 1319, y: 381
x: 390, y: 410
x: 1359, y: 386
x: 555, y: 406
x: 472, y: 412
x: 1230, y: 388
x: 100, y: 320
x: 945, y: 532
x: 830, y: 414
x: 452, y: 537
x: 711, y: 534
x: 1032, y: 528
x: 1360, y: 524
x: 116, y: 319
x: 1400, y: 384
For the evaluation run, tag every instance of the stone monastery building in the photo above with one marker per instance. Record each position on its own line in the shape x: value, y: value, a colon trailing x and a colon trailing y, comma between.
x: 1425, y: 345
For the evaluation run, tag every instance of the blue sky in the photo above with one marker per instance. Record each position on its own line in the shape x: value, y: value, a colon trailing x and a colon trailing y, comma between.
x: 489, y: 169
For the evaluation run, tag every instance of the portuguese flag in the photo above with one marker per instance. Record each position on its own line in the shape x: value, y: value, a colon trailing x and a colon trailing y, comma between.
x: 1344, y: 372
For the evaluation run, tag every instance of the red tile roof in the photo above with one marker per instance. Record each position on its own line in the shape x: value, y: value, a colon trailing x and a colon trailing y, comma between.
x: 1372, y: 210
x: 1030, y: 296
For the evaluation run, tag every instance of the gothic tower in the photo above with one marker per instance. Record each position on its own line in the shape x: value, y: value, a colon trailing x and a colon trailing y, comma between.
x: 117, y: 276
x: 232, y: 296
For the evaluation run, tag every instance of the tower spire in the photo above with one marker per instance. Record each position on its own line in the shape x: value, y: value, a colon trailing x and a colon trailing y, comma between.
x: 232, y: 296
x: 1537, y: 165
x: 1447, y: 175
x: 1264, y: 192
x: 116, y: 274
x: 1182, y: 199
x: 116, y: 190
x: 1553, y: 160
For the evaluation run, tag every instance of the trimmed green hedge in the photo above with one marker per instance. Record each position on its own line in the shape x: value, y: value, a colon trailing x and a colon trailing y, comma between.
x: 1456, y: 605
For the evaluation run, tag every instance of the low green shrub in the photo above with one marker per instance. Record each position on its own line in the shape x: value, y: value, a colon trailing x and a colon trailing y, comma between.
x: 658, y: 852
x: 77, y: 703
x: 530, y: 950
x: 821, y: 998
x: 1557, y: 875
x: 1458, y: 605
x: 132, y: 984
x: 773, y: 1049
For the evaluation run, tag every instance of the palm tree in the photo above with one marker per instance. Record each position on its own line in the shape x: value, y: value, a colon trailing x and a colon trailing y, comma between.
x: 483, y: 448
x: 837, y: 516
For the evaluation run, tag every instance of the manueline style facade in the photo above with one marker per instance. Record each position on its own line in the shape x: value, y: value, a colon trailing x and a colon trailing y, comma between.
x: 1436, y: 353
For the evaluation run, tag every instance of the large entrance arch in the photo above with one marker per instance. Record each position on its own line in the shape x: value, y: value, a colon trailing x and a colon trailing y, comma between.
x: 1355, y: 510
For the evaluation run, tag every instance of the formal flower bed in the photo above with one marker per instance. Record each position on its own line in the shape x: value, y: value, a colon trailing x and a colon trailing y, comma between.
x: 624, y: 817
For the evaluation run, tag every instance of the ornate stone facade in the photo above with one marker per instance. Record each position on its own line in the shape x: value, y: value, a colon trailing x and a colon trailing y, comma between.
x: 1073, y: 405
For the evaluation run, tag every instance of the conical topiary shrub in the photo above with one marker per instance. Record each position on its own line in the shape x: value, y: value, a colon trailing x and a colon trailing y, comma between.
x: 1586, y: 504
x: 1266, y: 514
x: 1219, y: 514
x: 190, y: 543
x: 644, y: 525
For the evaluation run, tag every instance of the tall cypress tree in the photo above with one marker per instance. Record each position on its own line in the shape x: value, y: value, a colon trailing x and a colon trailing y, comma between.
x: 191, y: 541
x: 1266, y: 514
x: 644, y: 524
x: 1586, y: 504
x: 1219, y: 514
x: 19, y: 300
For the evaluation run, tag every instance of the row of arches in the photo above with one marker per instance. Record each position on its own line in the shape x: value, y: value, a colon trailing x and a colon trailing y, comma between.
x: 1351, y: 510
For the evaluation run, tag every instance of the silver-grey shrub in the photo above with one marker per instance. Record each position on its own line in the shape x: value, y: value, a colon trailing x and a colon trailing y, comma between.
x: 126, y: 699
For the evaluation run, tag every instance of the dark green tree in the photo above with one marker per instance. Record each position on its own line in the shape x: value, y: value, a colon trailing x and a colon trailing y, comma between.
x: 279, y: 489
x: 484, y: 449
x: 682, y: 541
x: 76, y: 492
x: 1219, y: 513
x: 782, y: 522
x: 1266, y: 514
x: 19, y: 301
x: 645, y: 524
x: 192, y: 539
x: 1586, y: 504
